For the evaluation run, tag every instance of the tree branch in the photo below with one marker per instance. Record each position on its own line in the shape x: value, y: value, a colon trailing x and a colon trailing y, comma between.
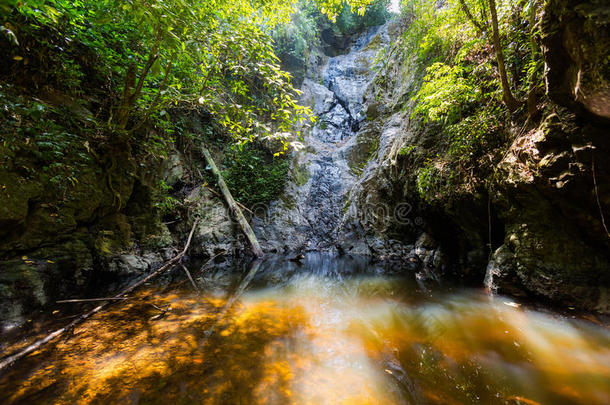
x: 129, y: 97
x: 124, y: 107
x: 152, y: 57
x: 509, y: 100
x: 154, y: 103
x: 480, y: 27
x: 7, y: 361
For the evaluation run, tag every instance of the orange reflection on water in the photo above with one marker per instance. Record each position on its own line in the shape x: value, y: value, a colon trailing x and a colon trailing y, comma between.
x: 319, y: 341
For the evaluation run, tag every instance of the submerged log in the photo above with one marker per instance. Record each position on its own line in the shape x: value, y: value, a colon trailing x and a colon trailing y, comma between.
x: 90, y: 300
x: 243, y: 223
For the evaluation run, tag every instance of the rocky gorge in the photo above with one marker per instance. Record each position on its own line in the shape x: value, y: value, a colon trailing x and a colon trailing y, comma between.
x: 535, y: 227
x: 314, y: 201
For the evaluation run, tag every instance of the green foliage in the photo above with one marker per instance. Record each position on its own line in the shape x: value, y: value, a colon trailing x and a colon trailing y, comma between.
x: 211, y: 54
x: 430, y: 30
x: 445, y: 93
x: 254, y: 175
x: 156, y: 54
x: 406, y: 150
x: 35, y: 145
x: 293, y: 41
x: 474, y: 135
x: 333, y: 8
x: 460, y: 94
x: 427, y: 179
x: 165, y: 202
x: 350, y: 20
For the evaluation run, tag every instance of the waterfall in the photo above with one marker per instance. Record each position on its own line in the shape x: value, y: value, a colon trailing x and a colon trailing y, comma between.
x: 308, y: 215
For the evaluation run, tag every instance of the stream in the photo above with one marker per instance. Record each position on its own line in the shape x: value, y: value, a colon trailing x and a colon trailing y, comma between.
x: 329, y: 330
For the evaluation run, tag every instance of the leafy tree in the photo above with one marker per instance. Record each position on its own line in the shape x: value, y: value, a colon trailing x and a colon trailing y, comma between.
x: 482, y: 26
x: 332, y: 8
x: 351, y: 20
x: 293, y: 41
x: 509, y: 99
x: 214, y: 54
x: 461, y: 94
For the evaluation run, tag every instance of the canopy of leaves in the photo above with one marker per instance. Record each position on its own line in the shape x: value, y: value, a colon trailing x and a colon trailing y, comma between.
x: 214, y: 54
x: 460, y: 90
x: 352, y: 20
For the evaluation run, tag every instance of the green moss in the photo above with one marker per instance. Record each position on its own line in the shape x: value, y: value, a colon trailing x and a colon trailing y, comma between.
x: 289, y: 201
x: 346, y: 204
x: 14, y: 196
x: 114, y: 235
x: 301, y: 175
x: 374, y: 44
x: 366, y: 149
x: 105, y: 246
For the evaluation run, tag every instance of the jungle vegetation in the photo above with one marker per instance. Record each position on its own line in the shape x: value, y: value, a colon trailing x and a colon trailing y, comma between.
x: 132, y: 70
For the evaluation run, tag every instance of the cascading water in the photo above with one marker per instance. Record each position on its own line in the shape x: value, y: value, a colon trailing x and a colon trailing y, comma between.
x: 324, y: 330
x: 309, y: 215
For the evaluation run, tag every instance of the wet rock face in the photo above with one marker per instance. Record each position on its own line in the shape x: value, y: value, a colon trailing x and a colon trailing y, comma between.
x: 575, y: 46
x: 555, y: 245
x: 216, y: 230
x: 309, y: 215
x: 128, y: 264
x: 348, y: 76
x: 32, y: 281
x: 57, y: 241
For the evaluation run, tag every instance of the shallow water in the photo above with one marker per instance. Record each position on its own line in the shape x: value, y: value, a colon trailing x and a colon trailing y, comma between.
x: 329, y: 331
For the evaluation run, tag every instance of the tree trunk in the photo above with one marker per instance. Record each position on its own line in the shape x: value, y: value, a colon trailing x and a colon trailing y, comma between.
x: 507, y: 96
x: 133, y: 88
x: 125, y: 107
x: 532, y: 102
x: 245, y: 227
x: 481, y: 27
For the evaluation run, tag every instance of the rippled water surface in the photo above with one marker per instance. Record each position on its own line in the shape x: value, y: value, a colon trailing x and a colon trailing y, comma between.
x: 329, y: 331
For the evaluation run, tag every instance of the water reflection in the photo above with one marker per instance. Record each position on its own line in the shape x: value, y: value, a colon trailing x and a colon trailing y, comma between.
x: 327, y: 331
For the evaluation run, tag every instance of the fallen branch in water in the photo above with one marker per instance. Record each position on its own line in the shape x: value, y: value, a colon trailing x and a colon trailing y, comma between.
x: 205, y: 265
x: 163, y: 310
x: 91, y: 300
x: 7, y: 361
x: 202, y: 267
x: 188, y: 273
